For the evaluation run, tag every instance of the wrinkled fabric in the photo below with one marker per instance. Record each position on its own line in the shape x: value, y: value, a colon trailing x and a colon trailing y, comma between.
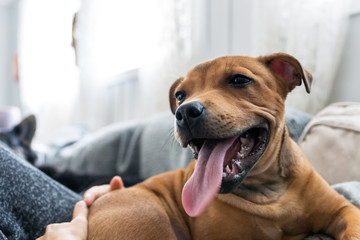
x: 29, y: 200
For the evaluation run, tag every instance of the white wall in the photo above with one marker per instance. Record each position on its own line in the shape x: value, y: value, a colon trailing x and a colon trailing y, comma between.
x: 9, y: 91
x: 3, y: 44
x: 347, y: 83
x: 223, y: 28
x: 228, y: 32
x: 219, y: 28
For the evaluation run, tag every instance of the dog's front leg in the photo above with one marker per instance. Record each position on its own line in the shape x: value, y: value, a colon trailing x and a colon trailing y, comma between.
x: 347, y: 218
x: 130, y: 213
x: 337, y: 218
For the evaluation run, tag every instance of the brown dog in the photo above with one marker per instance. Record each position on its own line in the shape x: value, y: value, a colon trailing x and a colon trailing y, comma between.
x: 230, y: 111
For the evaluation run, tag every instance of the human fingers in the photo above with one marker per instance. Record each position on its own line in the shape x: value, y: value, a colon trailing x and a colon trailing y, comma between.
x: 116, y: 183
x: 95, y: 192
x: 80, y: 210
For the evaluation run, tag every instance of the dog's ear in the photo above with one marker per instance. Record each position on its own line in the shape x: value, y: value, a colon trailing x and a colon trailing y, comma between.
x: 288, y: 68
x: 172, y: 98
x: 26, y: 129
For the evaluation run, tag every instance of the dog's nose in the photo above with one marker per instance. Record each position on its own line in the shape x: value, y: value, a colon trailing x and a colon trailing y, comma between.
x: 189, y: 114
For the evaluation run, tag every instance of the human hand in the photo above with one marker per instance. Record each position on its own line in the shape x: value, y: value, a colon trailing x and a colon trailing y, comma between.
x: 77, y: 228
x: 95, y: 192
x: 74, y: 230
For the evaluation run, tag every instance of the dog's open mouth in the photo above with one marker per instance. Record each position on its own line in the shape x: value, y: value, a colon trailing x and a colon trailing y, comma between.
x: 222, y: 165
x: 247, y: 146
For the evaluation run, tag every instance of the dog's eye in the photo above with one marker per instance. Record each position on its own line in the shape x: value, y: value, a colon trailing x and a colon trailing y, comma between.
x: 238, y: 80
x: 180, y: 96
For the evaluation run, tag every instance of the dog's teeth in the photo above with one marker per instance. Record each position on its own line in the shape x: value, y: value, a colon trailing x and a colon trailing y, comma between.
x: 224, y: 174
x: 244, y: 140
x: 227, y: 169
x: 245, y: 148
x: 240, y: 155
x: 238, y: 164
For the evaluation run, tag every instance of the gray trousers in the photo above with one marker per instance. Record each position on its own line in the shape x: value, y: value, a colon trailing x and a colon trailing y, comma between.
x: 29, y: 200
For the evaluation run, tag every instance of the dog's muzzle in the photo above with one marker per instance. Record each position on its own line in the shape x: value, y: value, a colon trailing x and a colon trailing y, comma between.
x: 222, y: 161
x: 189, y: 115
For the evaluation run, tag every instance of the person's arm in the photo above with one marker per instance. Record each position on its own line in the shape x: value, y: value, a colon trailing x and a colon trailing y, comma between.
x: 77, y: 228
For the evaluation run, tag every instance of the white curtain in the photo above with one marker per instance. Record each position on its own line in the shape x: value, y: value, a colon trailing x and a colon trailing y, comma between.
x: 114, y: 37
x: 173, y: 57
x: 157, y: 38
x: 48, y: 75
x: 313, y: 32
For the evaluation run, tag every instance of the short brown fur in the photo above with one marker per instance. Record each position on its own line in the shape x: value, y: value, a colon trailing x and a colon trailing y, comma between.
x: 281, y: 198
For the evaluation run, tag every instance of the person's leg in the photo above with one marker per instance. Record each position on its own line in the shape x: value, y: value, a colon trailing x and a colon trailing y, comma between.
x: 29, y: 200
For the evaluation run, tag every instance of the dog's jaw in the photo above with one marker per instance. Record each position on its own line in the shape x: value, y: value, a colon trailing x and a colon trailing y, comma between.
x: 222, y: 165
x: 252, y: 145
x: 248, y: 147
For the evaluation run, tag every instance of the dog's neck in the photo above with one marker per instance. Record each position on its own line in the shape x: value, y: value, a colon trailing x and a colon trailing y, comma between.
x: 271, y: 182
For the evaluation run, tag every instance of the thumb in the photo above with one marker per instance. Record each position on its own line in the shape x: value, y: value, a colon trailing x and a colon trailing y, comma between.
x: 116, y: 183
x: 80, y: 210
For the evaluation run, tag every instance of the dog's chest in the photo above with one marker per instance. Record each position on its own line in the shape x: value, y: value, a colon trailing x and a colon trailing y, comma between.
x: 220, y: 221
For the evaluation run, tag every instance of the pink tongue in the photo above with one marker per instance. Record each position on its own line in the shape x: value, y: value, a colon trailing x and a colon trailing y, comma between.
x: 204, y: 184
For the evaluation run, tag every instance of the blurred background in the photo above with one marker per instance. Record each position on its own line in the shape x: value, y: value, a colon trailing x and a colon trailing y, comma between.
x: 96, y: 62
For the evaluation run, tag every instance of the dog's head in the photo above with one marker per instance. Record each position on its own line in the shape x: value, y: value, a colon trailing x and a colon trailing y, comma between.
x: 20, y: 137
x: 228, y: 110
